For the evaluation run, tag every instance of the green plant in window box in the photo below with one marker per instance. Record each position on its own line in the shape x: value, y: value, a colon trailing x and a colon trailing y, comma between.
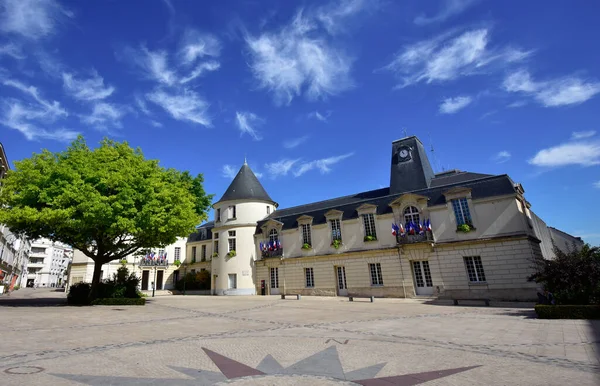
x: 123, y: 261
x: 370, y: 238
x: 306, y: 246
x: 336, y: 244
x: 177, y: 263
x: 215, y: 254
x: 231, y: 253
x: 465, y: 228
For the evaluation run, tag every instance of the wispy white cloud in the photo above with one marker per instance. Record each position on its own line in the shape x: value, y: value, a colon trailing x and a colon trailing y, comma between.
x: 28, y: 118
x: 155, y: 123
x: 324, y: 165
x: 141, y: 104
x: 104, y: 115
x: 229, y: 171
x: 155, y: 65
x: 199, y: 70
x: 453, y: 105
x: 182, y: 105
x: 247, y: 123
x: 449, y: 56
x: 597, y: 186
x: 280, y: 168
x: 12, y: 50
x: 51, y: 108
x: 335, y: 16
x: 517, y: 104
x: 294, y: 142
x: 583, y: 134
x: 501, y: 157
x: 317, y: 115
x: 449, y: 8
x: 299, y: 59
x: 87, y: 89
x: 562, y: 91
x: 570, y: 153
x: 195, y: 45
x: 32, y: 19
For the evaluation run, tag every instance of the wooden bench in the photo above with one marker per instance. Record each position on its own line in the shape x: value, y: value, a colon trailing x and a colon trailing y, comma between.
x: 487, y: 301
x: 298, y: 296
x: 351, y: 298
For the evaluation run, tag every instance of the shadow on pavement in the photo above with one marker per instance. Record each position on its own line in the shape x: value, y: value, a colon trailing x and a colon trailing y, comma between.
x: 7, y: 301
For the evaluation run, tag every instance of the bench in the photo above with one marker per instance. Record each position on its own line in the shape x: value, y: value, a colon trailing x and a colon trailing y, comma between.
x: 487, y: 301
x: 298, y: 296
x: 351, y: 298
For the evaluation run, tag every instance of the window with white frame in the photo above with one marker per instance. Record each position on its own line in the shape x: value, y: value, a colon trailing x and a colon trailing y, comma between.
x: 461, y: 211
x: 216, y: 247
x: 306, y: 236
x: 161, y: 252
x: 193, y: 254
x: 218, y: 215
x: 273, y: 236
x: 268, y: 209
x: 369, y: 223
x: 376, y: 276
x: 232, y: 212
x: 231, y: 233
x: 474, y: 269
x: 203, y: 253
x: 411, y: 213
x: 310, y: 277
x: 336, y: 230
x: 178, y: 253
x: 231, y: 244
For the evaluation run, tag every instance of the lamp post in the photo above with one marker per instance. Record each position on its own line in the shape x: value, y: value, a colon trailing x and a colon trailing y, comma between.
x: 154, y: 283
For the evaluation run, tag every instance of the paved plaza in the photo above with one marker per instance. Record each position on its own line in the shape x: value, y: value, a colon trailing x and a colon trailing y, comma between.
x: 198, y: 340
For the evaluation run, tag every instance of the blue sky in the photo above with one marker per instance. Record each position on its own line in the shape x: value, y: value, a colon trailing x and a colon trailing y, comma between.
x: 313, y: 93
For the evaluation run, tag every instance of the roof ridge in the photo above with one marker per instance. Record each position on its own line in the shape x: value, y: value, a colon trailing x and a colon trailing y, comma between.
x: 331, y: 199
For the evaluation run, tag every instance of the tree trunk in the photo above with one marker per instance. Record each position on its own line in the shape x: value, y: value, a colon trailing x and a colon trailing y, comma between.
x: 96, y: 279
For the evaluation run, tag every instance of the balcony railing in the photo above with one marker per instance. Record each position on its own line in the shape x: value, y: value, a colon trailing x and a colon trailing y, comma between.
x: 149, y: 262
x: 416, y: 238
x: 273, y: 253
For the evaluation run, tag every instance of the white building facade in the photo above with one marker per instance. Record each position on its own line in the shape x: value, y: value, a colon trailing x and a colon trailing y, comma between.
x: 48, y: 263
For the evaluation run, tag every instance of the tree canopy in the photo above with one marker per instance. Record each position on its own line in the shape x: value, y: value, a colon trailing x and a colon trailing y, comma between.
x: 107, y: 202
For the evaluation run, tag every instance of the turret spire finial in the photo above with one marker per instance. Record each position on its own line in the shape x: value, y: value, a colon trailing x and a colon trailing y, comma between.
x: 245, y: 162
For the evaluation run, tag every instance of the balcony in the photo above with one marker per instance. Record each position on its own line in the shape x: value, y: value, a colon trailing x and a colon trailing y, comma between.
x: 150, y: 262
x: 416, y: 238
x: 274, y: 253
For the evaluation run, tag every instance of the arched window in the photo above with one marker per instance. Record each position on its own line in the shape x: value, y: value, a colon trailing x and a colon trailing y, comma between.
x: 411, y: 214
x: 273, y: 235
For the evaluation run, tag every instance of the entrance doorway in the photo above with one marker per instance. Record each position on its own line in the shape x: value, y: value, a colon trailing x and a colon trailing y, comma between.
x: 159, y: 279
x: 145, y: 276
x: 342, y: 288
x: 274, y: 281
x: 423, y: 283
x: 232, y: 281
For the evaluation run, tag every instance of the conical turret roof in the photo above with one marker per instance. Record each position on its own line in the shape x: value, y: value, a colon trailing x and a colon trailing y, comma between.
x: 245, y: 186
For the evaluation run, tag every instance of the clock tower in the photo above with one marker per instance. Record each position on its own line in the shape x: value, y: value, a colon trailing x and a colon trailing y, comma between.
x: 410, y: 168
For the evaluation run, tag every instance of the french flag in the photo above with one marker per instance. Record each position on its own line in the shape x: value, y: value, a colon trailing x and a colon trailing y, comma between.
x: 394, y: 231
x: 421, y: 229
x: 402, y: 231
x: 428, y: 225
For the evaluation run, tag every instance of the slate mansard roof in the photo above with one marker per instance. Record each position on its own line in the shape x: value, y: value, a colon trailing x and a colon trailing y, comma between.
x: 481, y: 185
x: 202, y: 233
x: 245, y: 186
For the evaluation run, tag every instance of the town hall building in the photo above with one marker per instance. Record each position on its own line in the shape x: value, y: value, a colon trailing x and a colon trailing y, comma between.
x: 453, y: 234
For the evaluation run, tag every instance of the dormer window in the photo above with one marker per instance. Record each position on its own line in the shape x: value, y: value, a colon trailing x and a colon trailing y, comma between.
x: 336, y: 230
x: 273, y: 236
x: 369, y: 223
x: 306, y: 234
x: 411, y: 213
x: 461, y: 211
x: 231, y: 212
x: 218, y: 215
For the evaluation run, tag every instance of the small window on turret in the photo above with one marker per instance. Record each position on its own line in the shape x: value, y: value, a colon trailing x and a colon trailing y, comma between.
x: 268, y: 209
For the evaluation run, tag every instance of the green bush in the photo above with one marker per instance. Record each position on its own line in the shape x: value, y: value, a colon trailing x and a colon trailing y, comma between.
x: 465, y: 228
x: 79, y: 294
x: 370, y: 238
x: 306, y: 246
x: 195, y: 281
x: 119, y: 302
x: 336, y: 244
x: 16, y: 287
x: 567, y: 312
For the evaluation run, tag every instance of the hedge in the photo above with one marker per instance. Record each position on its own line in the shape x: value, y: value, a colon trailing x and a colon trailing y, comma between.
x: 567, y: 312
x: 119, y: 302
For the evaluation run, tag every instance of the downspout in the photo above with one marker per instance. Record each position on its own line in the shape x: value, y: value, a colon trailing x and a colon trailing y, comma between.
x: 401, y: 270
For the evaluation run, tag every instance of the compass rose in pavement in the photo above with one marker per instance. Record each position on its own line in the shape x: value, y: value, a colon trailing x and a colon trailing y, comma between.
x: 323, y: 368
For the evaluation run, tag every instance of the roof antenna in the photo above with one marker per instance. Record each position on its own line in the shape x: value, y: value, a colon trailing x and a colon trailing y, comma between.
x: 436, y: 162
x: 405, y: 132
x: 245, y: 163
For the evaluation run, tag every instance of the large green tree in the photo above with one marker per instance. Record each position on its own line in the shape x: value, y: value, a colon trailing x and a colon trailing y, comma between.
x: 107, y: 202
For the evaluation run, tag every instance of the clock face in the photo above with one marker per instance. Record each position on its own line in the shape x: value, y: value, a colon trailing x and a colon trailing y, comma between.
x: 403, y: 153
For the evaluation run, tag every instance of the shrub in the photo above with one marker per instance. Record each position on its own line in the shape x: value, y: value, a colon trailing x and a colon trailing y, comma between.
x: 119, y: 302
x: 465, y: 228
x: 336, y: 244
x: 215, y: 254
x: 231, y: 253
x: 177, y: 263
x: 370, y: 238
x: 306, y: 246
x: 16, y: 287
x: 195, y: 281
x: 572, y: 277
x: 567, y: 312
x: 79, y: 294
